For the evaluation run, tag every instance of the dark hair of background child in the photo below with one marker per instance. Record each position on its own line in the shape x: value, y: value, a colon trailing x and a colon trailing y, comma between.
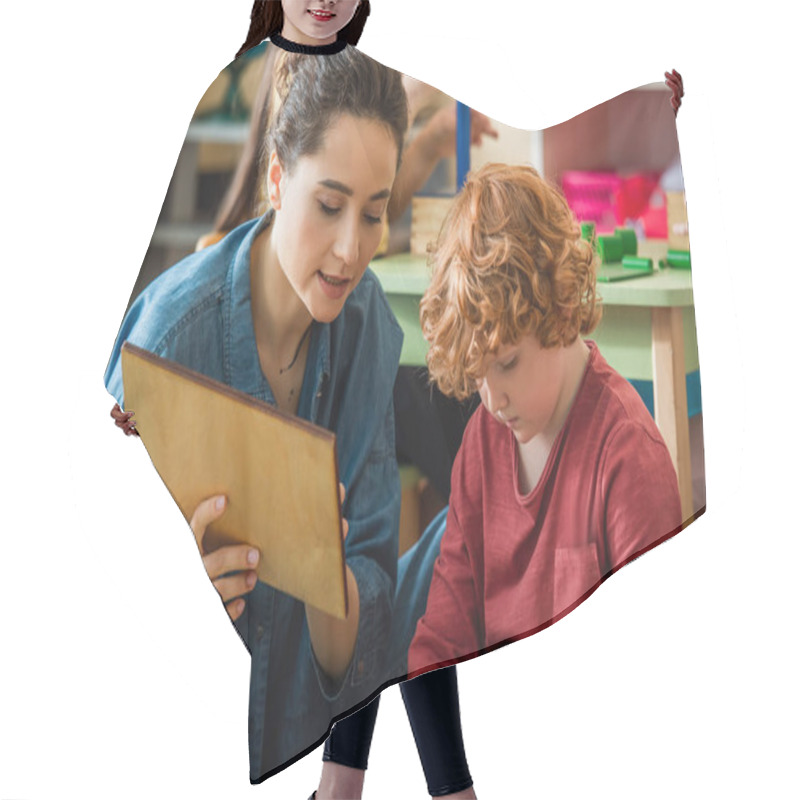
x: 241, y: 198
x: 266, y: 19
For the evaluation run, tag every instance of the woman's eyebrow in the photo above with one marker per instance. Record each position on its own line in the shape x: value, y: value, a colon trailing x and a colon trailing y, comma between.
x: 337, y: 186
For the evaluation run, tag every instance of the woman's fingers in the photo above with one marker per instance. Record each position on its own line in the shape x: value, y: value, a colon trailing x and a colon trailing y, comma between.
x: 207, y: 512
x: 231, y: 558
x: 232, y: 586
x: 235, y: 608
x: 234, y: 564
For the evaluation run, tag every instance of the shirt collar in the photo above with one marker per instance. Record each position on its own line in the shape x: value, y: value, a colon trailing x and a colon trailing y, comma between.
x: 241, y: 356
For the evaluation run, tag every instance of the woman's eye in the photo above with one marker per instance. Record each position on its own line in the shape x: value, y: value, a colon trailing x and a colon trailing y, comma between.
x: 373, y: 220
x: 330, y: 211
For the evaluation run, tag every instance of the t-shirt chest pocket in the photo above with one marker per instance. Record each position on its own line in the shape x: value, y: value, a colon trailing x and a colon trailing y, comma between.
x: 576, y: 571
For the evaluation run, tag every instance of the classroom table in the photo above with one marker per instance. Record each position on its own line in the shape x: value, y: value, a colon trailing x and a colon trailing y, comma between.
x: 647, y: 333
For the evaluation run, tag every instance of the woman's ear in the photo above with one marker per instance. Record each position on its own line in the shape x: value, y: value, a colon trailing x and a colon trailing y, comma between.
x: 274, y: 178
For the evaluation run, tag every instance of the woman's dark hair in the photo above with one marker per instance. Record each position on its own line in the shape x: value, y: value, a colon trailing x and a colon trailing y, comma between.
x: 314, y: 90
x: 298, y: 97
x: 266, y: 19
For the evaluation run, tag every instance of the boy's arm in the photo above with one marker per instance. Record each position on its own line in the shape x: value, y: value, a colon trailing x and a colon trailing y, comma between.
x: 452, y: 626
x: 642, y: 503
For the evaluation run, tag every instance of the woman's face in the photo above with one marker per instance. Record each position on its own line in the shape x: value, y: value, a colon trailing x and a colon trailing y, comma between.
x: 316, y: 21
x: 329, y: 211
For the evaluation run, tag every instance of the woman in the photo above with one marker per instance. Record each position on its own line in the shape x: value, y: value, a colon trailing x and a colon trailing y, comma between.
x: 283, y: 309
x: 432, y: 700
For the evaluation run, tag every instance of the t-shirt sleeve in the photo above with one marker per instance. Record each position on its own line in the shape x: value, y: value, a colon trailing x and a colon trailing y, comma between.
x: 453, y: 624
x: 642, y: 504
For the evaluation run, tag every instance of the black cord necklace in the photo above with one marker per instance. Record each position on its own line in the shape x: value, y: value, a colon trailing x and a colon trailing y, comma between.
x: 296, y: 352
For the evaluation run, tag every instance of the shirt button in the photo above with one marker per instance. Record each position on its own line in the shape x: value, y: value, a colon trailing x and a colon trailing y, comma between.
x: 259, y: 632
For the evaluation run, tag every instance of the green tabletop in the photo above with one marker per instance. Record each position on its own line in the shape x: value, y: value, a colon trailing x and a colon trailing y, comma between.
x: 406, y: 274
x: 624, y: 334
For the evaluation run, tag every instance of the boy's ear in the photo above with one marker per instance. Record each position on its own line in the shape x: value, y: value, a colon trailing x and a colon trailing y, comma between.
x: 274, y: 178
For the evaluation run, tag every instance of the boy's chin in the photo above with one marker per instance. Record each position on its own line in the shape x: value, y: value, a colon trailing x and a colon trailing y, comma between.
x: 523, y: 435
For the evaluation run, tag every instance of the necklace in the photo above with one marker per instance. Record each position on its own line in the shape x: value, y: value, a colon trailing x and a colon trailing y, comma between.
x: 281, y: 370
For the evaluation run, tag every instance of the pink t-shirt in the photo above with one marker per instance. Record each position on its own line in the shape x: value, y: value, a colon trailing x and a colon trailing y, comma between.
x: 510, y: 564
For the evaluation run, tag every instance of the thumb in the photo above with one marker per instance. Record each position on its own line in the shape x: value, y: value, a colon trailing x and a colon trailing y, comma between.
x: 207, y: 512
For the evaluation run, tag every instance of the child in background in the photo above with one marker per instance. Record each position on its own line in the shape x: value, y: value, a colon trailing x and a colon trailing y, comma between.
x: 562, y: 476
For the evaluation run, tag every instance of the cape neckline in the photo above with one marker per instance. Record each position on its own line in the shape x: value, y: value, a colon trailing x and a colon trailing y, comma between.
x: 308, y: 49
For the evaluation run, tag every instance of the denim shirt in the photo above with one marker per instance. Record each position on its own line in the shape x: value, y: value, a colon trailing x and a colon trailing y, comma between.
x: 198, y: 313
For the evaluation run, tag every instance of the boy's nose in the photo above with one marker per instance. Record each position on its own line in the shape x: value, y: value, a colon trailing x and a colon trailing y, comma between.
x: 494, y: 399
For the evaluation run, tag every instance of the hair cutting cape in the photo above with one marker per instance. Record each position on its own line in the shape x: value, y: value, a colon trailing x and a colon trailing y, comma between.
x: 618, y: 166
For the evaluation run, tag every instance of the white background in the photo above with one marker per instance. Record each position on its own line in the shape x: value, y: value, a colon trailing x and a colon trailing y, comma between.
x: 122, y: 678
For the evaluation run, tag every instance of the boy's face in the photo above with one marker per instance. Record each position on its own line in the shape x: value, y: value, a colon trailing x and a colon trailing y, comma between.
x: 522, y: 386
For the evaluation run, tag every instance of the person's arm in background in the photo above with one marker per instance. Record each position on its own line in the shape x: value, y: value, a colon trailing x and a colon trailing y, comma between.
x: 436, y: 140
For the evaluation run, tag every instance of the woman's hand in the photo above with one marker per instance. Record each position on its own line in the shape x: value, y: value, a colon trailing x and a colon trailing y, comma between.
x: 231, y: 568
x: 124, y: 420
x: 675, y: 82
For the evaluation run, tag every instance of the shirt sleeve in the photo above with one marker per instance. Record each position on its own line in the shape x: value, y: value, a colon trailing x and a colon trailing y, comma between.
x: 452, y: 626
x: 640, y: 488
x: 372, y: 511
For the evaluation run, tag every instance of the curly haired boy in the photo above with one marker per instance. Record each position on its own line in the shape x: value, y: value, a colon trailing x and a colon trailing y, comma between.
x: 562, y: 476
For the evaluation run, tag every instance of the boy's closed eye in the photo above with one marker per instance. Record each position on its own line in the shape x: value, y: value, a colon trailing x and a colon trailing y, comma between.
x: 505, y: 366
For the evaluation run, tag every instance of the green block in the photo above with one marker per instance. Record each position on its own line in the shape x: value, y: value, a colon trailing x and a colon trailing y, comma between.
x: 609, y: 248
x: 636, y: 262
x: 588, y: 231
x: 630, y: 247
x: 679, y: 259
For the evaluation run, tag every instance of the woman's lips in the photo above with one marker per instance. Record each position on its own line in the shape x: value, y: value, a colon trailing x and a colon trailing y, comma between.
x: 333, y: 287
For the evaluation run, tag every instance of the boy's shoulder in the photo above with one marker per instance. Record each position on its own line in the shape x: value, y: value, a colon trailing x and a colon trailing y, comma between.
x: 609, y: 405
x: 604, y: 387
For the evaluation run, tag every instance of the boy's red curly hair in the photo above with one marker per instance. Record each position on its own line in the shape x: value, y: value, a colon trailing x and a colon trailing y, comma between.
x: 509, y: 261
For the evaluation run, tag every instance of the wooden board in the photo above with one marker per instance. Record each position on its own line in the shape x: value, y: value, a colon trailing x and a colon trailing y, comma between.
x: 279, y: 473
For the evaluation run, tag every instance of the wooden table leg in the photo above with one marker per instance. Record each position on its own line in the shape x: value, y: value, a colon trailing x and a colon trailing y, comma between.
x: 669, y: 390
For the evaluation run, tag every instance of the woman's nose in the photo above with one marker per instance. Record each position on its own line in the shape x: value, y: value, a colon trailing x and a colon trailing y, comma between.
x: 347, y: 244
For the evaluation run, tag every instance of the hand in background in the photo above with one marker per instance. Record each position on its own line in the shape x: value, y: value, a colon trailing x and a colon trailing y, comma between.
x: 124, y: 420
x: 675, y: 82
x: 231, y: 568
x: 442, y: 129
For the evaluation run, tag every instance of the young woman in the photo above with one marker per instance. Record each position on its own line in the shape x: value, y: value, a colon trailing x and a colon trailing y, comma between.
x: 432, y: 700
x: 284, y: 309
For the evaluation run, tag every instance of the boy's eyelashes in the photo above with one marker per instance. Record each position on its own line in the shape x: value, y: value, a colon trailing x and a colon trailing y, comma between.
x: 507, y: 365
